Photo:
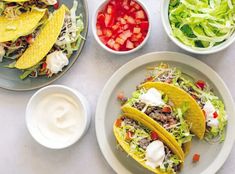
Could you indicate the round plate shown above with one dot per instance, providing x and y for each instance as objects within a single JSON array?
[
  {"x": 126, "y": 79},
  {"x": 9, "y": 78}
]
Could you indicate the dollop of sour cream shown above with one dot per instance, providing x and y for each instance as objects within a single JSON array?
[
  {"x": 209, "y": 110},
  {"x": 155, "y": 154},
  {"x": 56, "y": 61},
  {"x": 152, "y": 97},
  {"x": 2, "y": 52},
  {"x": 58, "y": 118}
]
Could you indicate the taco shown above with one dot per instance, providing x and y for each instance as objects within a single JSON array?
[
  {"x": 210, "y": 104},
  {"x": 51, "y": 48},
  {"x": 157, "y": 108},
  {"x": 16, "y": 34},
  {"x": 148, "y": 146}
]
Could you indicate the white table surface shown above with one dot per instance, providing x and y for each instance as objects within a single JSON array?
[{"x": 20, "y": 154}]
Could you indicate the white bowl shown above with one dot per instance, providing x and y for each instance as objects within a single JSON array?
[
  {"x": 167, "y": 27},
  {"x": 33, "y": 124},
  {"x": 94, "y": 30}
]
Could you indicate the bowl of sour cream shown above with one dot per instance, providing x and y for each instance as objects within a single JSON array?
[{"x": 57, "y": 116}]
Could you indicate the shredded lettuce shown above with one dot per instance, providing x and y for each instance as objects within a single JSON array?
[{"x": 202, "y": 24}]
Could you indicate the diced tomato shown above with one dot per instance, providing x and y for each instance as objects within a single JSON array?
[
  {"x": 110, "y": 9},
  {"x": 144, "y": 25},
  {"x": 101, "y": 18},
  {"x": 154, "y": 135},
  {"x": 123, "y": 21},
  {"x": 119, "y": 40},
  {"x": 150, "y": 79},
  {"x": 99, "y": 32},
  {"x": 107, "y": 20},
  {"x": 136, "y": 30},
  {"x": 104, "y": 39},
  {"x": 128, "y": 136},
  {"x": 125, "y": 27},
  {"x": 122, "y": 25},
  {"x": 120, "y": 95},
  {"x": 44, "y": 65},
  {"x": 196, "y": 157},
  {"x": 129, "y": 44},
  {"x": 29, "y": 39},
  {"x": 215, "y": 114},
  {"x": 111, "y": 43},
  {"x": 201, "y": 84},
  {"x": 125, "y": 35},
  {"x": 116, "y": 47},
  {"x": 130, "y": 20},
  {"x": 140, "y": 14},
  {"x": 56, "y": 5},
  {"x": 118, "y": 122},
  {"x": 166, "y": 109}
]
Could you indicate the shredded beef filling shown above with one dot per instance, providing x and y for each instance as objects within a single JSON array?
[{"x": 166, "y": 119}]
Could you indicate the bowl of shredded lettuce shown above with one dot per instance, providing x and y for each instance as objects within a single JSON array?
[{"x": 200, "y": 26}]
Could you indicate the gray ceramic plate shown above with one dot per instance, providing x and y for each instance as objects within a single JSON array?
[
  {"x": 9, "y": 79},
  {"x": 126, "y": 79}
]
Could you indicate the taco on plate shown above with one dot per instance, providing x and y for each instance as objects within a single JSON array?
[
  {"x": 214, "y": 116},
  {"x": 51, "y": 48},
  {"x": 147, "y": 145},
  {"x": 158, "y": 109}
]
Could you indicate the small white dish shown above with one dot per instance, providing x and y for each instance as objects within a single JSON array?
[
  {"x": 94, "y": 30},
  {"x": 167, "y": 27},
  {"x": 35, "y": 121}
]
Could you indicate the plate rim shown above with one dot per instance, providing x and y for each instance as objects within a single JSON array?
[
  {"x": 134, "y": 64},
  {"x": 77, "y": 54}
]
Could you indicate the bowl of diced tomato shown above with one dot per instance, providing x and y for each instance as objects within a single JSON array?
[{"x": 121, "y": 26}]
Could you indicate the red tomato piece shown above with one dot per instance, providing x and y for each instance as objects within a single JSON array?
[
  {"x": 110, "y": 9},
  {"x": 29, "y": 39},
  {"x": 116, "y": 46},
  {"x": 128, "y": 136},
  {"x": 107, "y": 20},
  {"x": 111, "y": 43},
  {"x": 154, "y": 135},
  {"x": 104, "y": 39},
  {"x": 201, "y": 84},
  {"x": 215, "y": 114},
  {"x": 144, "y": 25},
  {"x": 99, "y": 32},
  {"x": 130, "y": 20},
  {"x": 118, "y": 122},
  {"x": 136, "y": 30},
  {"x": 140, "y": 14},
  {"x": 166, "y": 109},
  {"x": 196, "y": 157},
  {"x": 125, "y": 35},
  {"x": 119, "y": 40},
  {"x": 101, "y": 19},
  {"x": 56, "y": 5},
  {"x": 129, "y": 44}
]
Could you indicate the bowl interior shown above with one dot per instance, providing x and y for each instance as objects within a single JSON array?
[
  {"x": 94, "y": 20},
  {"x": 126, "y": 79},
  {"x": 167, "y": 27}
]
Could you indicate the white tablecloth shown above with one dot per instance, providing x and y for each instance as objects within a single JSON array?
[{"x": 20, "y": 154}]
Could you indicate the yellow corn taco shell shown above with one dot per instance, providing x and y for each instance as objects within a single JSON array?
[
  {"x": 161, "y": 136},
  {"x": 44, "y": 41},
  {"x": 194, "y": 116},
  {"x": 127, "y": 109},
  {"x": 26, "y": 23}
]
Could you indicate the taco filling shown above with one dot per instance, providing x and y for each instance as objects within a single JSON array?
[
  {"x": 146, "y": 146},
  {"x": 211, "y": 105},
  {"x": 157, "y": 106}
]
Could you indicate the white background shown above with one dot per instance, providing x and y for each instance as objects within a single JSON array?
[{"x": 20, "y": 154}]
